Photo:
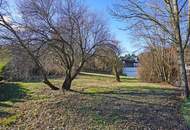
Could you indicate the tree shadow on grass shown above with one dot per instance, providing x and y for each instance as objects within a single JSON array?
[
  {"x": 142, "y": 91},
  {"x": 10, "y": 92},
  {"x": 149, "y": 108},
  {"x": 4, "y": 114}
]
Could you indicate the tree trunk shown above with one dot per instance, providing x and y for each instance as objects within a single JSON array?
[
  {"x": 69, "y": 78},
  {"x": 48, "y": 83},
  {"x": 183, "y": 73},
  {"x": 178, "y": 37},
  {"x": 117, "y": 76},
  {"x": 67, "y": 83}
]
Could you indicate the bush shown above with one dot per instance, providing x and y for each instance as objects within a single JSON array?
[{"x": 158, "y": 65}]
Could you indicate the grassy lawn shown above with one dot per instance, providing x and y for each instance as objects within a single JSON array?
[{"x": 97, "y": 102}]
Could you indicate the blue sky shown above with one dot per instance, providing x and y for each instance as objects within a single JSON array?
[{"x": 101, "y": 7}]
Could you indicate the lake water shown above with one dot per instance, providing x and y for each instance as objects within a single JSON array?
[{"x": 130, "y": 71}]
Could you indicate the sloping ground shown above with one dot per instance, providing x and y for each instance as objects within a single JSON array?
[
  {"x": 99, "y": 103},
  {"x": 4, "y": 59},
  {"x": 3, "y": 62}
]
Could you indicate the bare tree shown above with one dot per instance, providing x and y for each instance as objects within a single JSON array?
[
  {"x": 16, "y": 33},
  {"x": 159, "y": 54},
  {"x": 71, "y": 31},
  {"x": 117, "y": 64},
  {"x": 112, "y": 54},
  {"x": 170, "y": 16}
]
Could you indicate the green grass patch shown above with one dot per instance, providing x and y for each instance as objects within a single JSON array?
[
  {"x": 101, "y": 83},
  {"x": 31, "y": 86},
  {"x": 98, "y": 90},
  {"x": 3, "y": 63},
  {"x": 5, "y": 58},
  {"x": 186, "y": 111},
  {"x": 9, "y": 120},
  {"x": 104, "y": 75}
]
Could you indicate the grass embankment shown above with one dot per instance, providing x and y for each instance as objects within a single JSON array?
[
  {"x": 97, "y": 103},
  {"x": 3, "y": 62},
  {"x": 4, "y": 59}
]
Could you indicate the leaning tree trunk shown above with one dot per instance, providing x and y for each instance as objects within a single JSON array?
[
  {"x": 49, "y": 84},
  {"x": 183, "y": 73},
  {"x": 22, "y": 44},
  {"x": 45, "y": 79},
  {"x": 43, "y": 72},
  {"x": 67, "y": 83},
  {"x": 117, "y": 76},
  {"x": 37, "y": 63}
]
